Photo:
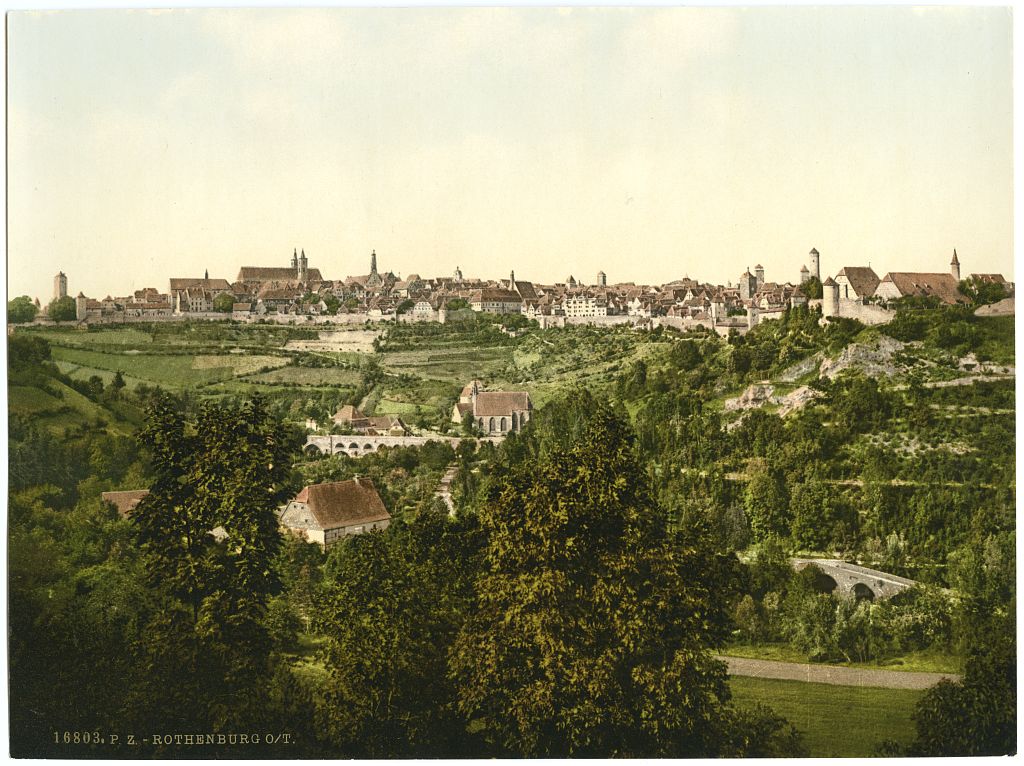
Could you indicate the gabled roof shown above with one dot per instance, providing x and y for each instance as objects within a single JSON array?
[
  {"x": 348, "y": 413},
  {"x": 268, "y": 273},
  {"x": 493, "y": 294},
  {"x": 941, "y": 285},
  {"x": 343, "y": 503},
  {"x": 862, "y": 279},
  {"x": 526, "y": 290},
  {"x": 992, "y": 278},
  {"x": 497, "y": 403},
  {"x": 183, "y": 283}
]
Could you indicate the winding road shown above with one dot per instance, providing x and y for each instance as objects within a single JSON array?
[{"x": 833, "y": 674}]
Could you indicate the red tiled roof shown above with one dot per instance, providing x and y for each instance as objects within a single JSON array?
[
  {"x": 941, "y": 285},
  {"x": 499, "y": 403},
  {"x": 342, "y": 503},
  {"x": 347, "y": 414},
  {"x": 862, "y": 278},
  {"x": 183, "y": 283},
  {"x": 269, "y": 273}
]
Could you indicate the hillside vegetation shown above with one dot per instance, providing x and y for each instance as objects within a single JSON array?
[{"x": 522, "y": 626}]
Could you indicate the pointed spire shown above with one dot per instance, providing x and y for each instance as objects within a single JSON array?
[{"x": 955, "y": 259}]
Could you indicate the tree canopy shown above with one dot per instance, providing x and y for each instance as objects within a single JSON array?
[
  {"x": 62, "y": 309},
  {"x": 21, "y": 310},
  {"x": 593, "y": 624}
]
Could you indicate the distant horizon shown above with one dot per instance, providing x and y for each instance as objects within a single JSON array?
[
  {"x": 650, "y": 143},
  {"x": 584, "y": 280}
]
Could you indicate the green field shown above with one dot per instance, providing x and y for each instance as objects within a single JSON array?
[
  {"x": 308, "y": 376},
  {"x": 843, "y": 721},
  {"x": 60, "y": 408},
  {"x": 167, "y": 370}
]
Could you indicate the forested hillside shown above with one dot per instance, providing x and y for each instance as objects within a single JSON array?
[{"x": 594, "y": 565}]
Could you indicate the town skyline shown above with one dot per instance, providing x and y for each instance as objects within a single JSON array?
[{"x": 651, "y": 144}]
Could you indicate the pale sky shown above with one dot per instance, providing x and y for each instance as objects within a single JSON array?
[{"x": 650, "y": 143}]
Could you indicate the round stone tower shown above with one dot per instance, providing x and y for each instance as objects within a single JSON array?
[
  {"x": 815, "y": 263},
  {"x": 829, "y": 298}
]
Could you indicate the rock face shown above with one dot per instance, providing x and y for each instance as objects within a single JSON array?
[
  {"x": 755, "y": 395},
  {"x": 1003, "y": 308},
  {"x": 796, "y": 399},
  {"x": 873, "y": 359},
  {"x": 801, "y": 368},
  {"x": 759, "y": 394}
]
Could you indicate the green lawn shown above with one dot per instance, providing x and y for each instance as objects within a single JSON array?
[{"x": 843, "y": 721}]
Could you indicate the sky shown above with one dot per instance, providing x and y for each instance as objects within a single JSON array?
[{"x": 650, "y": 143}]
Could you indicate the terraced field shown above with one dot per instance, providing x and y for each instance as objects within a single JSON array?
[
  {"x": 308, "y": 376},
  {"x": 167, "y": 370}
]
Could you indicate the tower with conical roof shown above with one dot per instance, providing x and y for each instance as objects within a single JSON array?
[
  {"x": 303, "y": 266},
  {"x": 60, "y": 285},
  {"x": 815, "y": 263},
  {"x": 954, "y": 266}
]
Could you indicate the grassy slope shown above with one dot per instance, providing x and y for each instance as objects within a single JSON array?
[{"x": 845, "y": 721}]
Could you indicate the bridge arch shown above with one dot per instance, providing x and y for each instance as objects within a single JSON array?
[
  {"x": 861, "y": 591},
  {"x": 353, "y": 445},
  {"x": 312, "y": 449},
  {"x": 503, "y": 424},
  {"x": 491, "y": 425},
  {"x": 823, "y": 582}
]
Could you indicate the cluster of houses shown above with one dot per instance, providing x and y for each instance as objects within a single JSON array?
[
  {"x": 350, "y": 420},
  {"x": 300, "y": 291}
]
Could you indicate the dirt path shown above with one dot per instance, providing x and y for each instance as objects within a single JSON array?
[
  {"x": 831, "y": 674},
  {"x": 444, "y": 488}
]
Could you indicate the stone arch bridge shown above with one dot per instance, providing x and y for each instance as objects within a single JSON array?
[
  {"x": 355, "y": 445},
  {"x": 846, "y": 579}
]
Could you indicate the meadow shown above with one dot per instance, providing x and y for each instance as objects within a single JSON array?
[{"x": 836, "y": 721}]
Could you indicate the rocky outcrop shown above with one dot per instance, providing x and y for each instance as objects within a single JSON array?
[
  {"x": 796, "y": 399},
  {"x": 756, "y": 395},
  {"x": 760, "y": 394},
  {"x": 875, "y": 359}
]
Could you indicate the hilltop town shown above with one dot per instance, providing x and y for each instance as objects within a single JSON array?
[{"x": 301, "y": 293}]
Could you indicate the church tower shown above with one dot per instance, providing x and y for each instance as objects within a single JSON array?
[
  {"x": 373, "y": 281},
  {"x": 954, "y": 266},
  {"x": 303, "y": 263},
  {"x": 295, "y": 260},
  {"x": 458, "y": 274}
]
